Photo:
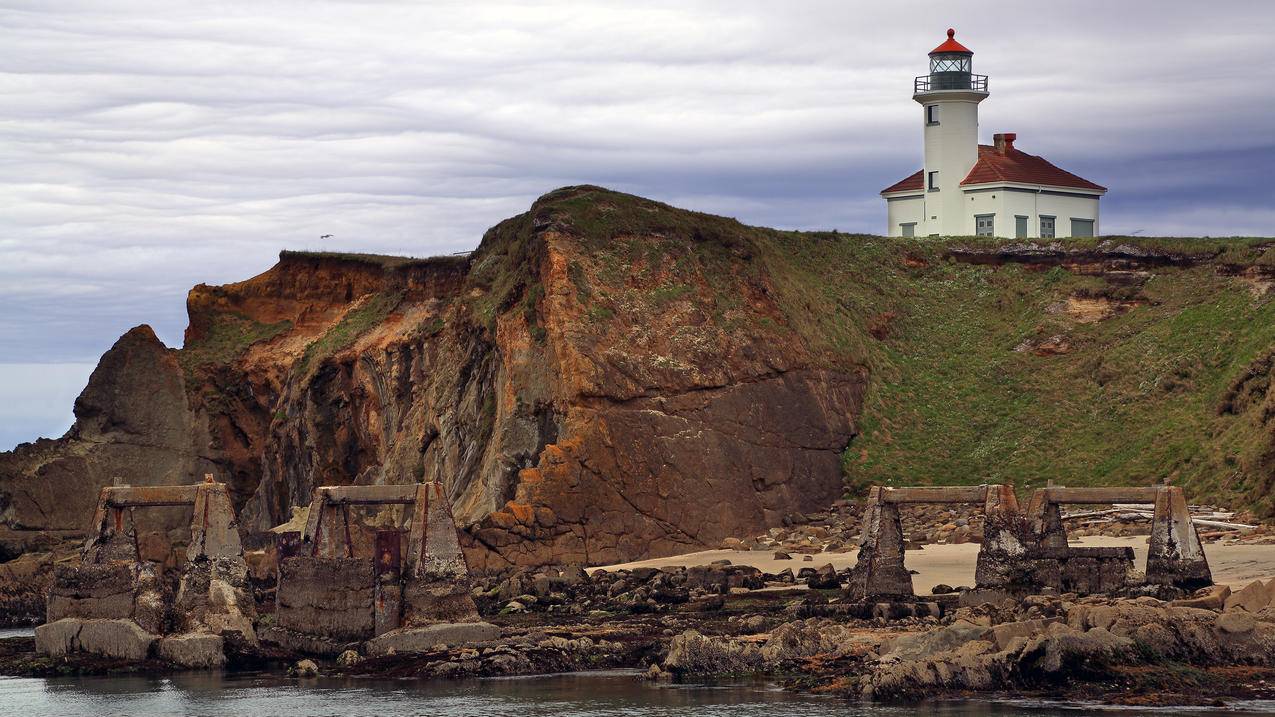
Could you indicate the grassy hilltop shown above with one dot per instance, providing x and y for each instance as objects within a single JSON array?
[{"x": 1085, "y": 361}]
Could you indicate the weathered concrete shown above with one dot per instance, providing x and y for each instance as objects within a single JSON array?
[
  {"x": 196, "y": 651},
  {"x": 1024, "y": 553},
  {"x": 94, "y": 604},
  {"x": 111, "y": 638},
  {"x": 332, "y": 597},
  {"x": 338, "y": 593},
  {"x": 1176, "y": 556},
  {"x": 880, "y": 573}
]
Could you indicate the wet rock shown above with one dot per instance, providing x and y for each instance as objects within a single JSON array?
[
  {"x": 349, "y": 658},
  {"x": 692, "y": 653},
  {"x": 424, "y": 638},
  {"x": 305, "y": 668}
]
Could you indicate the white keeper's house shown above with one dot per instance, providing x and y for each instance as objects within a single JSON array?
[{"x": 966, "y": 188}]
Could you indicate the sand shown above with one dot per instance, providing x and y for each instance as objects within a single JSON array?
[{"x": 1234, "y": 565}]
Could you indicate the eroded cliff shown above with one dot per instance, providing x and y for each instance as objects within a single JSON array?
[{"x": 609, "y": 378}]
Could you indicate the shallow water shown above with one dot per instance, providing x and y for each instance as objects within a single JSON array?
[{"x": 612, "y": 694}]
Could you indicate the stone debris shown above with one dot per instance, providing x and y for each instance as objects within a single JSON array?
[{"x": 116, "y": 604}]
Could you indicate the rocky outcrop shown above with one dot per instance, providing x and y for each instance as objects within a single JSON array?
[
  {"x": 133, "y": 426},
  {"x": 576, "y": 413},
  {"x": 605, "y": 378}
]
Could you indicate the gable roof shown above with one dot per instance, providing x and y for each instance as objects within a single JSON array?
[
  {"x": 1018, "y": 166},
  {"x": 911, "y": 182}
]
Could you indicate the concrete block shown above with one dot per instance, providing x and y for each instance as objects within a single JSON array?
[
  {"x": 193, "y": 650},
  {"x": 115, "y": 638},
  {"x": 56, "y": 639}
]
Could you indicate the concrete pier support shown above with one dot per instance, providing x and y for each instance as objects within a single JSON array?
[
  {"x": 880, "y": 573},
  {"x": 1004, "y": 558},
  {"x": 1175, "y": 556},
  {"x": 410, "y": 594}
]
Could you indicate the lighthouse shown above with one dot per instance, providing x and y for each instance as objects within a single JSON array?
[{"x": 965, "y": 188}]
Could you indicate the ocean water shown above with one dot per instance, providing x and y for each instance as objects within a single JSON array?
[{"x": 613, "y": 694}]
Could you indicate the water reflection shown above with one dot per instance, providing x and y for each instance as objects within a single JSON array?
[{"x": 583, "y": 695}]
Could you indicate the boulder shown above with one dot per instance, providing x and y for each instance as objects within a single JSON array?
[
  {"x": 1236, "y": 622},
  {"x": 923, "y": 644},
  {"x": 692, "y": 653},
  {"x": 193, "y": 650},
  {"x": 1211, "y": 598},
  {"x": 825, "y": 578},
  {"x": 57, "y": 638},
  {"x": 424, "y": 638},
  {"x": 1252, "y": 597},
  {"x": 1003, "y": 634}
]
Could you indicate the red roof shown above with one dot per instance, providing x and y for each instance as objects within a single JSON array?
[
  {"x": 913, "y": 181},
  {"x": 1018, "y": 166},
  {"x": 1012, "y": 166},
  {"x": 951, "y": 45}
]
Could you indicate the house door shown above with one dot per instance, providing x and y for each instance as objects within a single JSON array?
[
  {"x": 984, "y": 225},
  {"x": 909, "y": 229}
]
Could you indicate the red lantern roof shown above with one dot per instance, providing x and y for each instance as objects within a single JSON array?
[{"x": 951, "y": 45}]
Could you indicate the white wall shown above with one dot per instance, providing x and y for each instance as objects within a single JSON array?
[
  {"x": 1007, "y": 204},
  {"x": 951, "y": 149},
  {"x": 900, "y": 210}
]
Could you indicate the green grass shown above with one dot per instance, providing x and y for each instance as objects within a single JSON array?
[
  {"x": 382, "y": 261},
  {"x": 344, "y": 333},
  {"x": 228, "y": 337},
  {"x": 1136, "y": 397}
]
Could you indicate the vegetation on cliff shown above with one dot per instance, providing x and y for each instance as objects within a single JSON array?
[{"x": 607, "y": 377}]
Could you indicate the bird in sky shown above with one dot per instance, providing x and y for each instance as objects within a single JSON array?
[{"x": 326, "y": 236}]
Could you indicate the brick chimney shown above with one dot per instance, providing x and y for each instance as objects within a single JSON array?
[{"x": 1004, "y": 142}]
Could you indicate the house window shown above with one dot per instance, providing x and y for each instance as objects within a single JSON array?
[
  {"x": 908, "y": 229},
  {"x": 984, "y": 225},
  {"x": 1020, "y": 226},
  {"x": 931, "y": 114},
  {"x": 1082, "y": 227},
  {"x": 1046, "y": 227},
  {"x": 933, "y": 181}
]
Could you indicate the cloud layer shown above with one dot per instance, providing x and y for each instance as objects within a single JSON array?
[{"x": 152, "y": 145}]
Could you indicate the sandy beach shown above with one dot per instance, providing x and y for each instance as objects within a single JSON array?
[{"x": 1234, "y": 565}]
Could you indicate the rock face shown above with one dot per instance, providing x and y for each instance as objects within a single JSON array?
[
  {"x": 610, "y": 378},
  {"x": 582, "y": 400},
  {"x": 133, "y": 423}
]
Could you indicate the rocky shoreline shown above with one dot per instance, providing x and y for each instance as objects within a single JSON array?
[{"x": 723, "y": 620}]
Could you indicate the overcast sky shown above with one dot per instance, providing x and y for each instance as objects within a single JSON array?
[{"x": 146, "y": 146}]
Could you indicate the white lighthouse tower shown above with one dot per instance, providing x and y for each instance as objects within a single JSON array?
[
  {"x": 965, "y": 188},
  {"x": 949, "y": 98}
]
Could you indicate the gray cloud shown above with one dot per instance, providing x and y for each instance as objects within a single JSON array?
[{"x": 152, "y": 145}]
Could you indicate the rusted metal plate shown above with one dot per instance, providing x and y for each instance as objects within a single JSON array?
[
  {"x": 389, "y": 560},
  {"x": 288, "y": 544}
]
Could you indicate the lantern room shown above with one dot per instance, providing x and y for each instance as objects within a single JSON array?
[{"x": 951, "y": 68}]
